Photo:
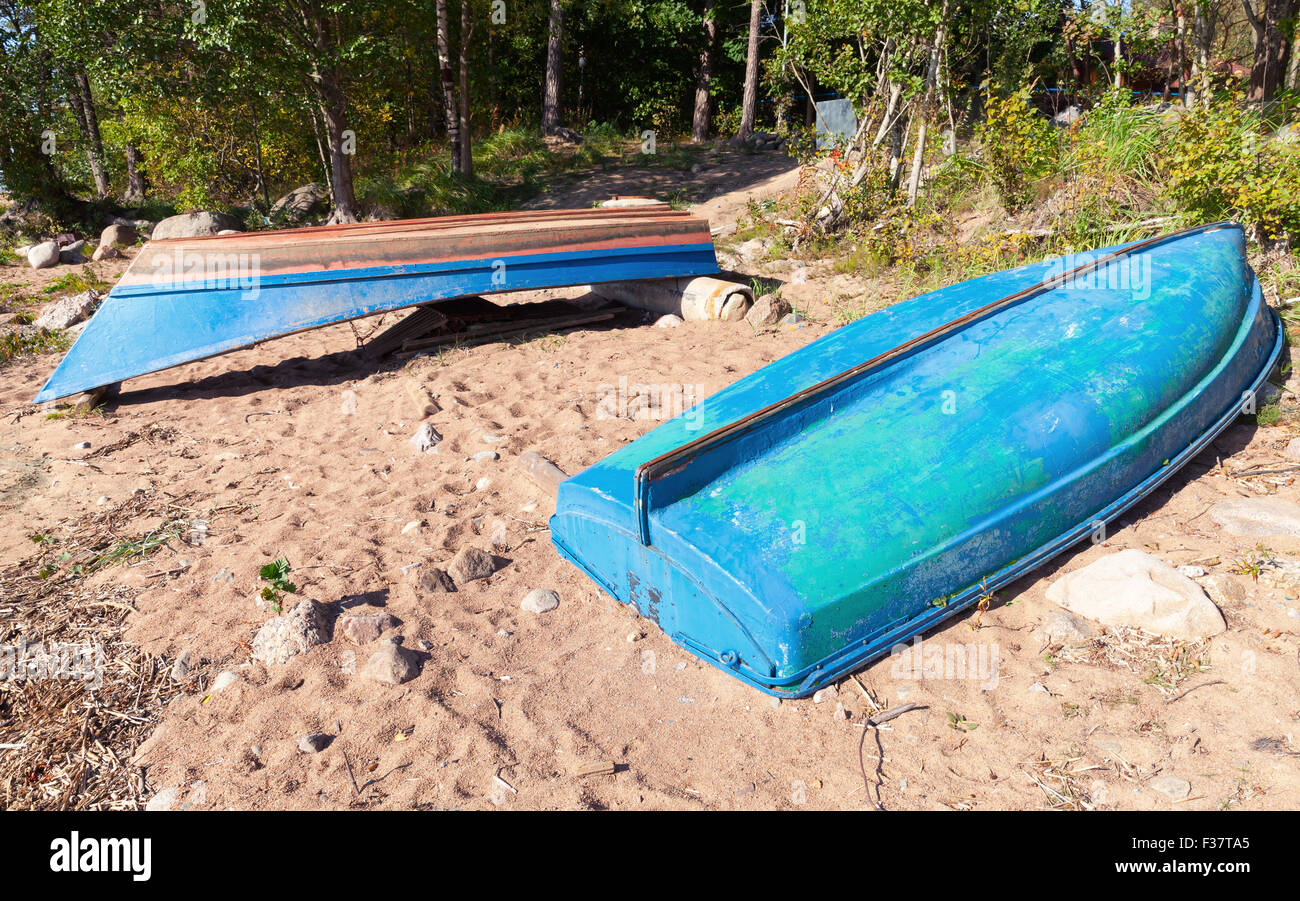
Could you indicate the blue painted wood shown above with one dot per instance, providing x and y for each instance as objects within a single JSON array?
[
  {"x": 143, "y": 328},
  {"x": 796, "y": 546}
]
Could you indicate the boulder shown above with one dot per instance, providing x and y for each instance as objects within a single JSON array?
[
  {"x": 105, "y": 252},
  {"x": 301, "y": 202},
  {"x": 118, "y": 234},
  {"x": 71, "y": 254},
  {"x": 285, "y": 637},
  {"x": 1255, "y": 517},
  {"x": 43, "y": 256},
  {"x": 69, "y": 311},
  {"x": 767, "y": 310},
  {"x": 194, "y": 225},
  {"x": 1130, "y": 588}
]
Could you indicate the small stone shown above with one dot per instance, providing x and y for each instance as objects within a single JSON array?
[
  {"x": 470, "y": 564},
  {"x": 224, "y": 680},
  {"x": 1193, "y": 572},
  {"x": 825, "y": 694},
  {"x": 425, "y": 439},
  {"x": 181, "y": 667},
  {"x": 81, "y": 445},
  {"x": 1063, "y": 627},
  {"x": 1292, "y": 451},
  {"x": 793, "y": 320},
  {"x": 483, "y": 484},
  {"x": 841, "y": 715},
  {"x": 774, "y": 703},
  {"x": 1171, "y": 787},
  {"x": 163, "y": 800},
  {"x": 348, "y": 402},
  {"x": 486, "y": 456},
  {"x": 365, "y": 628},
  {"x": 412, "y": 527},
  {"x": 669, "y": 320},
  {"x": 224, "y": 575},
  {"x": 491, "y": 438},
  {"x": 1039, "y": 687},
  {"x": 392, "y": 664},
  {"x": 436, "y": 581},
  {"x": 540, "y": 600},
  {"x": 1224, "y": 589},
  {"x": 284, "y": 637},
  {"x": 314, "y": 743},
  {"x": 767, "y": 310}
]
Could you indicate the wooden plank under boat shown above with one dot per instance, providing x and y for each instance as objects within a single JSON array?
[
  {"x": 185, "y": 299},
  {"x": 853, "y": 494}
]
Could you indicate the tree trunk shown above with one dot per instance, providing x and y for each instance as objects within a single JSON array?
[
  {"x": 1268, "y": 19},
  {"x": 466, "y": 145},
  {"x": 333, "y": 109},
  {"x": 704, "y": 76},
  {"x": 551, "y": 89},
  {"x": 749, "y": 106},
  {"x": 83, "y": 105},
  {"x": 1203, "y": 33},
  {"x": 931, "y": 76},
  {"x": 135, "y": 183},
  {"x": 448, "y": 85}
]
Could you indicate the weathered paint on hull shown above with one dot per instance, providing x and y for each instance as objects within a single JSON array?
[
  {"x": 858, "y": 510},
  {"x": 188, "y": 299}
]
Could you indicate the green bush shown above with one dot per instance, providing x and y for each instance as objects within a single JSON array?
[{"x": 1020, "y": 147}]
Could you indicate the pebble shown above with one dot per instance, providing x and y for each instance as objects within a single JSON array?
[
  {"x": 841, "y": 715},
  {"x": 365, "y": 628},
  {"x": 825, "y": 694},
  {"x": 392, "y": 664},
  {"x": 284, "y": 637},
  {"x": 102, "y": 501},
  {"x": 314, "y": 743},
  {"x": 483, "y": 456},
  {"x": 348, "y": 406},
  {"x": 1193, "y": 572},
  {"x": 1039, "y": 686},
  {"x": 436, "y": 581},
  {"x": 670, "y": 320},
  {"x": 1171, "y": 787},
  {"x": 81, "y": 445},
  {"x": 483, "y": 484},
  {"x": 490, "y": 438},
  {"x": 224, "y": 575},
  {"x": 425, "y": 439},
  {"x": 540, "y": 600},
  {"x": 412, "y": 527},
  {"x": 224, "y": 680},
  {"x": 163, "y": 800},
  {"x": 471, "y": 563},
  {"x": 181, "y": 667}
]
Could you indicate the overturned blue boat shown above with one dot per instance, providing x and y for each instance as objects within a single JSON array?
[{"x": 860, "y": 491}]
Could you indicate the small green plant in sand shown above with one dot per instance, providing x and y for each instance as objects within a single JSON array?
[
  {"x": 276, "y": 576},
  {"x": 960, "y": 723}
]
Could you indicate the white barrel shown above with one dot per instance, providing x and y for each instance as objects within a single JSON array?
[{"x": 694, "y": 299}]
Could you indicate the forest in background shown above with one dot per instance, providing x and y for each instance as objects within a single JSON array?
[{"x": 1087, "y": 113}]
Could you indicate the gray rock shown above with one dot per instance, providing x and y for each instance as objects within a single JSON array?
[
  {"x": 365, "y": 628},
  {"x": 1130, "y": 588},
  {"x": 470, "y": 564},
  {"x": 392, "y": 664},
  {"x": 1224, "y": 589},
  {"x": 767, "y": 310},
  {"x": 486, "y": 456},
  {"x": 425, "y": 438},
  {"x": 540, "y": 600},
  {"x": 823, "y": 695},
  {"x": 435, "y": 581},
  {"x": 181, "y": 667},
  {"x": 754, "y": 249},
  {"x": 1193, "y": 572},
  {"x": 194, "y": 225},
  {"x": 43, "y": 256},
  {"x": 71, "y": 254},
  {"x": 105, "y": 252},
  {"x": 1171, "y": 787},
  {"x": 1292, "y": 450},
  {"x": 301, "y": 202},
  {"x": 1283, "y": 574},
  {"x": 1255, "y": 517},
  {"x": 1063, "y": 627},
  {"x": 285, "y": 637},
  {"x": 163, "y": 800},
  {"x": 314, "y": 743},
  {"x": 69, "y": 311},
  {"x": 118, "y": 234},
  {"x": 793, "y": 320}
]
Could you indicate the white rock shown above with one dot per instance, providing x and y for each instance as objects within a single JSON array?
[
  {"x": 1292, "y": 450},
  {"x": 1193, "y": 572},
  {"x": 425, "y": 438},
  {"x": 285, "y": 637},
  {"x": 224, "y": 680},
  {"x": 540, "y": 600},
  {"x": 1130, "y": 588},
  {"x": 669, "y": 320},
  {"x": 1255, "y": 517},
  {"x": 483, "y": 484},
  {"x": 194, "y": 225},
  {"x": 181, "y": 667},
  {"x": 825, "y": 694},
  {"x": 348, "y": 402},
  {"x": 43, "y": 256},
  {"x": 1171, "y": 787},
  {"x": 1063, "y": 627},
  {"x": 484, "y": 456},
  {"x": 412, "y": 527},
  {"x": 69, "y": 311},
  {"x": 163, "y": 800}
]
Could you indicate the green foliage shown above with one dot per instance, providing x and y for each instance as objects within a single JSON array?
[
  {"x": 29, "y": 340},
  {"x": 1222, "y": 164},
  {"x": 276, "y": 575},
  {"x": 1019, "y": 146}
]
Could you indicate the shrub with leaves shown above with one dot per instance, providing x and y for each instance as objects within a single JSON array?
[
  {"x": 1223, "y": 164},
  {"x": 1020, "y": 146}
]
